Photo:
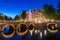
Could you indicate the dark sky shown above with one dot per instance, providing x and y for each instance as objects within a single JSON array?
[{"x": 14, "y": 7}]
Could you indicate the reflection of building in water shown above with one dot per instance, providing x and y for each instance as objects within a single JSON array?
[{"x": 35, "y": 16}]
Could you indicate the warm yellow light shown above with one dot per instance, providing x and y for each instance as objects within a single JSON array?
[
  {"x": 36, "y": 31},
  {"x": 36, "y": 21},
  {"x": 39, "y": 21},
  {"x": 52, "y": 20}
]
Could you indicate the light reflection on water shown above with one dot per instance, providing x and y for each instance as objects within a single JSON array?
[
  {"x": 40, "y": 34},
  {"x": 37, "y": 35},
  {"x": 36, "y": 31},
  {"x": 31, "y": 32},
  {"x": 45, "y": 32},
  {"x": 6, "y": 29}
]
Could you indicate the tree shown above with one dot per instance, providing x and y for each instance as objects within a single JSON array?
[
  {"x": 1, "y": 14},
  {"x": 49, "y": 11},
  {"x": 6, "y": 18},
  {"x": 23, "y": 15},
  {"x": 1, "y": 17},
  {"x": 10, "y": 18},
  {"x": 45, "y": 10},
  {"x": 52, "y": 12},
  {"x": 16, "y": 18},
  {"x": 58, "y": 12}
]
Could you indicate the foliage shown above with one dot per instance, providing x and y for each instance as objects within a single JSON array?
[
  {"x": 16, "y": 17},
  {"x": 23, "y": 15},
  {"x": 49, "y": 11},
  {"x": 6, "y": 17},
  {"x": 1, "y": 17}
]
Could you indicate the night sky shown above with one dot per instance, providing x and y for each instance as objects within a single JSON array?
[{"x": 14, "y": 7}]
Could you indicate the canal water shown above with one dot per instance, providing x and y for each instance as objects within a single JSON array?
[{"x": 36, "y": 35}]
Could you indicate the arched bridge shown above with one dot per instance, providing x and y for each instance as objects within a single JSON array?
[{"x": 8, "y": 29}]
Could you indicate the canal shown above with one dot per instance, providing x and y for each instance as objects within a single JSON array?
[
  {"x": 42, "y": 34},
  {"x": 36, "y": 35}
]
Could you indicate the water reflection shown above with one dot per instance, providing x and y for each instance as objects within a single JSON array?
[
  {"x": 31, "y": 33},
  {"x": 52, "y": 26},
  {"x": 45, "y": 32},
  {"x": 36, "y": 35},
  {"x": 6, "y": 29},
  {"x": 40, "y": 34},
  {"x": 36, "y": 31},
  {"x": 58, "y": 35}
]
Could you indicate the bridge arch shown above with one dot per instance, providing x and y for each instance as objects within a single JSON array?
[
  {"x": 31, "y": 27},
  {"x": 52, "y": 27},
  {"x": 22, "y": 29},
  {"x": 10, "y": 31}
]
